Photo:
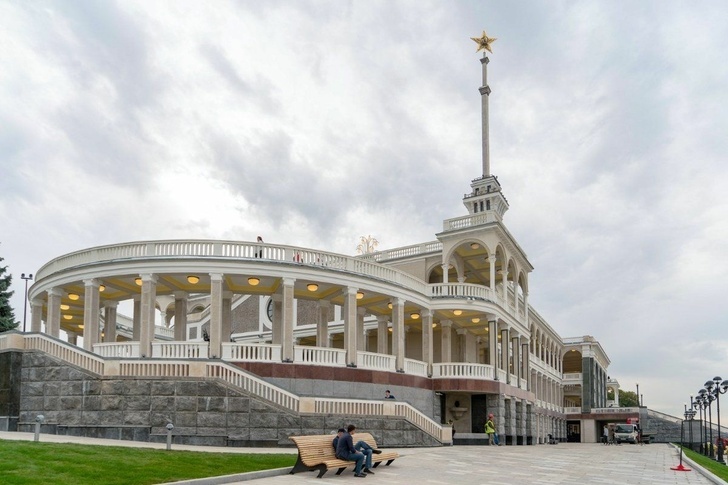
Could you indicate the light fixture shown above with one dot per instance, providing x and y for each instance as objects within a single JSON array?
[
  {"x": 68, "y": 317},
  {"x": 138, "y": 281},
  {"x": 102, "y": 287},
  {"x": 253, "y": 281},
  {"x": 457, "y": 313},
  {"x": 474, "y": 245},
  {"x": 434, "y": 325},
  {"x": 390, "y": 329},
  {"x": 73, "y": 296},
  {"x": 65, "y": 307},
  {"x": 389, "y": 305},
  {"x": 193, "y": 280},
  {"x": 312, "y": 287},
  {"x": 475, "y": 320},
  {"x": 80, "y": 326},
  {"x": 359, "y": 295},
  {"x": 414, "y": 316}
]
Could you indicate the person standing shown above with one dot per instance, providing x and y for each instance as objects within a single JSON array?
[
  {"x": 490, "y": 430},
  {"x": 345, "y": 451},
  {"x": 388, "y": 395}
]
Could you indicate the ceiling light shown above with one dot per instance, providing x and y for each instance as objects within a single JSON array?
[
  {"x": 253, "y": 281},
  {"x": 312, "y": 287},
  {"x": 102, "y": 287},
  {"x": 434, "y": 325},
  {"x": 474, "y": 245},
  {"x": 475, "y": 320},
  {"x": 415, "y": 316},
  {"x": 457, "y": 313},
  {"x": 80, "y": 326},
  {"x": 65, "y": 307},
  {"x": 359, "y": 295},
  {"x": 138, "y": 281},
  {"x": 73, "y": 296},
  {"x": 389, "y": 305},
  {"x": 67, "y": 317},
  {"x": 193, "y": 280}
]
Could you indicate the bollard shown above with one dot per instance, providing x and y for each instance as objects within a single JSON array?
[
  {"x": 170, "y": 427},
  {"x": 38, "y": 420}
]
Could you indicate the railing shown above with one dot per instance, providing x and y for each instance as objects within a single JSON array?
[
  {"x": 117, "y": 350},
  {"x": 415, "y": 367},
  {"x": 373, "y": 361},
  {"x": 245, "y": 352},
  {"x": 180, "y": 350},
  {"x": 573, "y": 377},
  {"x": 253, "y": 385},
  {"x": 524, "y": 384},
  {"x": 462, "y": 290},
  {"x": 459, "y": 370},
  {"x": 65, "y": 351},
  {"x": 467, "y": 221},
  {"x": 572, "y": 410},
  {"x": 403, "y": 252},
  {"x": 502, "y": 375},
  {"x": 154, "y": 369},
  {"x": 319, "y": 355}
]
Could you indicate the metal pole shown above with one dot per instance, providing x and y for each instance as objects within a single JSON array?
[
  {"x": 25, "y": 298},
  {"x": 710, "y": 428}
]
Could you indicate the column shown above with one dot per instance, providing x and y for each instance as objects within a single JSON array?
[
  {"x": 137, "y": 319},
  {"x": 36, "y": 314},
  {"x": 361, "y": 341},
  {"x": 146, "y": 327},
  {"x": 180, "y": 316},
  {"x": 349, "y": 317},
  {"x": 510, "y": 421},
  {"x": 460, "y": 343},
  {"x": 383, "y": 334},
  {"x": 445, "y": 273},
  {"x": 90, "y": 313},
  {"x": 525, "y": 309},
  {"x": 398, "y": 333},
  {"x": 427, "y": 340},
  {"x": 484, "y": 93},
  {"x": 493, "y": 260},
  {"x": 227, "y": 316},
  {"x": 287, "y": 320},
  {"x": 504, "y": 283},
  {"x": 493, "y": 346},
  {"x": 110, "y": 320},
  {"x": 72, "y": 338},
  {"x": 471, "y": 348},
  {"x": 525, "y": 362},
  {"x": 524, "y": 422},
  {"x": 53, "y": 322},
  {"x": 505, "y": 354},
  {"x": 322, "y": 329},
  {"x": 216, "y": 290},
  {"x": 516, "y": 358},
  {"x": 446, "y": 341},
  {"x": 277, "y": 323}
]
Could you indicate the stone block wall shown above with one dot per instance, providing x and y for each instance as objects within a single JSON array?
[
  {"x": 10, "y": 365},
  {"x": 204, "y": 412}
]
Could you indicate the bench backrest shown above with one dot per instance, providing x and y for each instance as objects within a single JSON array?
[{"x": 316, "y": 449}]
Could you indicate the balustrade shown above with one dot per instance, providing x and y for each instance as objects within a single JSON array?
[
  {"x": 319, "y": 356},
  {"x": 415, "y": 367},
  {"x": 117, "y": 350},
  {"x": 180, "y": 350},
  {"x": 374, "y": 361},
  {"x": 251, "y": 352}
]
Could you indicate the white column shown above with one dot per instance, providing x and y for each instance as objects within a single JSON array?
[
  {"x": 72, "y": 338},
  {"x": 525, "y": 362},
  {"x": 398, "y": 333},
  {"x": 445, "y": 273},
  {"x": 349, "y": 317},
  {"x": 492, "y": 260},
  {"x": 53, "y": 322},
  {"x": 110, "y": 320},
  {"x": 216, "y": 281},
  {"x": 36, "y": 314},
  {"x": 383, "y": 334},
  {"x": 361, "y": 340},
  {"x": 471, "y": 347},
  {"x": 287, "y": 320},
  {"x": 180, "y": 316},
  {"x": 516, "y": 358},
  {"x": 484, "y": 93},
  {"x": 90, "y": 313},
  {"x": 137, "y": 319},
  {"x": 493, "y": 346},
  {"x": 149, "y": 297},
  {"x": 227, "y": 316},
  {"x": 505, "y": 353},
  {"x": 277, "y": 323},
  {"x": 322, "y": 329},
  {"x": 446, "y": 341},
  {"x": 427, "y": 339}
]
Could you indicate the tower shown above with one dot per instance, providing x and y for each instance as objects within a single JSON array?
[{"x": 486, "y": 196}]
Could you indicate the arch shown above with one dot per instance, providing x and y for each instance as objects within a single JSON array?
[{"x": 572, "y": 361}]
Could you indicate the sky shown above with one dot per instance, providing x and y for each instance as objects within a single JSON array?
[{"x": 313, "y": 123}]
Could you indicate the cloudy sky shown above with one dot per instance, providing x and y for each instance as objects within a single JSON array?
[{"x": 313, "y": 123}]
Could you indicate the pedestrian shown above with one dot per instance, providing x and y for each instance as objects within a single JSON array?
[
  {"x": 388, "y": 395},
  {"x": 345, "y": 451},
  {"x": 259, "y": 252},
  {"x": 490, "y": 431}
]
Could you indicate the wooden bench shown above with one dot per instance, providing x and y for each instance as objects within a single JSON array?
[{"x": 317, "y": 453}]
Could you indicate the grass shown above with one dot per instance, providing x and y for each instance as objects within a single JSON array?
[
  {"x": 717, "y": 469},
  {"x": 30, "y": 463}
]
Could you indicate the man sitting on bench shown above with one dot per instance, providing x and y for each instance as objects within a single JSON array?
[
  {"x": 360, "y": 445},
  {"x": 345, "y": 451}
]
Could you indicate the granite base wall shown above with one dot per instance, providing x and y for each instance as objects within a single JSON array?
[{"x": 204, "y": 412}]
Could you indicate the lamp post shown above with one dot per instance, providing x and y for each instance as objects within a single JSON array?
[
  {"x": 689, "y": 414},
  {"x": 716, "y": 387},
  {"x": 698, "y": 404},
  {"x": 25, "y": 300}
]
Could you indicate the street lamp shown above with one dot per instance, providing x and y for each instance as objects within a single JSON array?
[
  {"x": 699, "y": 405},
  {"x": 25, "y": 301},
  {"x": 689, "y": 415},
  {"x": 717, "y": 387}
]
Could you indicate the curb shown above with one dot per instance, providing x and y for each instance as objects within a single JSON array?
[
  {"x": 237, "y": 477},
  {"x": 706, "y": 473}
]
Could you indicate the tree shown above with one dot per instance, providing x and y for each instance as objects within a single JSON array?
[
  {"x": 7, "y": 318},
  {"x": 628, "y": 399}
]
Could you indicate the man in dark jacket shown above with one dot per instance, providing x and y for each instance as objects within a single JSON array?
[{"x": 345, "y": 451}]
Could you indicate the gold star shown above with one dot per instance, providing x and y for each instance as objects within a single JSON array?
[{"x": 484, "y": 42}]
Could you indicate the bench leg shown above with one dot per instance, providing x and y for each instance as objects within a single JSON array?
[
  {"x": 340, "y": 471},
  {"x": 389, "y": 462},
  {"x": 376, "y": 464},
  {"x": 299, "y": 467},
  {"x": 322, "y": 470}
]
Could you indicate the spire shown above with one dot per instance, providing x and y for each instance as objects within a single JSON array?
[{"x": 484, "y": 43}]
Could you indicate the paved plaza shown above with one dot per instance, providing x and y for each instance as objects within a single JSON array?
[{"x": 565, "y": 463}]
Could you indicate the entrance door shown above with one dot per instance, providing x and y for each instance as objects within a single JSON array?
[{"x": 479, "y": 412}]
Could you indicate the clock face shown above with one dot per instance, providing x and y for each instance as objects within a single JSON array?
[{"x": 269, "y": 309}]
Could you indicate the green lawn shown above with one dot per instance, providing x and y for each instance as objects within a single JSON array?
[
  {"x": 718, "y": 469},
  {"x": 27, "y": 462}
]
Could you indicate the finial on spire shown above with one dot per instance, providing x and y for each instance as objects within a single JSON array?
[{"x": 484, "y": 42}]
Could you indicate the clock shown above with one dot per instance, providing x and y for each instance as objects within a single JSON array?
[{"x": 269, "y": 310}]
